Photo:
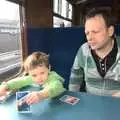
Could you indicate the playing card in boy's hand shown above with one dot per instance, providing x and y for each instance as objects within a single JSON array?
[
  {"x": 21, "y": 105},
  {"x": 69, "y": 99}
]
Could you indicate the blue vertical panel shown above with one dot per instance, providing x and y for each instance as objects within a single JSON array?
[
  {"x": 64, "y": 45},
  {"x": 38, "y": 39},
  {"x": 117, "y": 30}
]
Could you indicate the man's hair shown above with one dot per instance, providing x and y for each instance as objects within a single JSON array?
[
  {"x": 109, "y": 19},
  {"x": 36, "y": 59}
]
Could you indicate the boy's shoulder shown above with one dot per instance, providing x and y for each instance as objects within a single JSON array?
[{"x": 53, "y": 75}]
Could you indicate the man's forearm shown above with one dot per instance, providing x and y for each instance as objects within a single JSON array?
[{"x": 74, "y": 87}]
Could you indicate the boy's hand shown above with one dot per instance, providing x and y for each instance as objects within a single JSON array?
[
  {"x": 33, "y": 97},
  {"x": 117, "y": 94},
  {"x": 3, "y": 90}
]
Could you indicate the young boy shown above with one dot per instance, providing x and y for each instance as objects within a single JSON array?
[{"x": 38, "y": 68}]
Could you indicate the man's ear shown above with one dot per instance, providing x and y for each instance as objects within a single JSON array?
[
  {"x": 111, "y": 31},
  {"x": 49, "y": 67}
]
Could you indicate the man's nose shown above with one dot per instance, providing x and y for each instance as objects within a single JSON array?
[{"x": 90, "y": 36}]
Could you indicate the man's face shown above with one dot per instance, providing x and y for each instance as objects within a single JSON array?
[
  {"x": 39, "y": 74},
  {"x": 97, "y": 32}
]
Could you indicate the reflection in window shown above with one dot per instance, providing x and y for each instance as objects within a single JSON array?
[
  {"x": 69, "y": 11},
  {"x": 10, "y": 57},
  {"x": 55, "y": 6},
  {"x": 58, "y": 22},
  {"x": 63, "y": 13}
]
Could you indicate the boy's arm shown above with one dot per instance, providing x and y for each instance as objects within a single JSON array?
[
  {"x": 53, "y": 86},
  {"x": 3, "y": 89},
  {"x": 51, "y": 90},
  {"x": 15, "y": 84},
  {"x": 19, "y": 82},
  {"x": 54, "y": 89}
]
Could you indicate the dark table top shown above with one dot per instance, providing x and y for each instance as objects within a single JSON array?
[{"x": 88, "y": 108}]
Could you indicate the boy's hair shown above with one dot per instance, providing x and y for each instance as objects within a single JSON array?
[
  {"x": 109, "y": 19},
  {"x": 36, "y": 59}
]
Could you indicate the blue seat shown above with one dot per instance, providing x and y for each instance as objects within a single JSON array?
[{"x": 62, "y": 45}]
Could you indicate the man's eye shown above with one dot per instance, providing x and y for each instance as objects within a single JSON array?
[{"x": 96, "y": 31}]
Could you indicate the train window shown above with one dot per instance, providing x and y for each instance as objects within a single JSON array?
[
  {"x": 69, "y": 12},
  {"x": 66, "y": 9},
  {"x": 58, "y": 22},
  {"x": 57, "y": 6},
  {"x": 10, "y": 50},
  {"x": 62, "y": 13}
]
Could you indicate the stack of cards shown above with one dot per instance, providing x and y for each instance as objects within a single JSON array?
[
  {"x": 22, "y": 106},
  {"x": 69, "y": 99}
]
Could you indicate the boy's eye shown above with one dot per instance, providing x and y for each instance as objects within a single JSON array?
[{"x": 42, "y": 73}]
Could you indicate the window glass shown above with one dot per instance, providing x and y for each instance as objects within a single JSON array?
[
  {"x": 63, "y": 16},
  {"x": 70, "y": 11},
  {"x": 59, "y": 22},
  {"x": 64, "y": 8},
  {"x": 55, "y": 5},
  {"x": 10, "y": 57},
  {"x": 59, "y": 7}
]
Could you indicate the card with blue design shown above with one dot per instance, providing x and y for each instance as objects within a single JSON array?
[{"x": 22, "y": 106}]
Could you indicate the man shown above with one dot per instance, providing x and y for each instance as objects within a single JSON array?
[{"x": 98, "y": 60}]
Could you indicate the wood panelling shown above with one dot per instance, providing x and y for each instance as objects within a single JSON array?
[{"x": 39, "y": 13}]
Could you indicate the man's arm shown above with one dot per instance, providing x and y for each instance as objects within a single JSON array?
[{"x": 76, "y": 77}]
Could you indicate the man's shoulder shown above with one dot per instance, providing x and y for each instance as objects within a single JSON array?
[
  {"x": 84, "y": 46},
  {"x": 84, "y": 49}
]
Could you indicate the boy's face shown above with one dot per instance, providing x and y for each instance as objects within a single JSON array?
[{"x": 39, "y": 74}]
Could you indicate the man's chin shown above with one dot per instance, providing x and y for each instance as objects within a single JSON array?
[
  {"x": 41, "y": 83},
  {"x": 95, "y": 47}
]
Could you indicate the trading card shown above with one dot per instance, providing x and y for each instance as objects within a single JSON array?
[
  {"x": 21, "y": 105},
  {"x": 69, "y": 99}
]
